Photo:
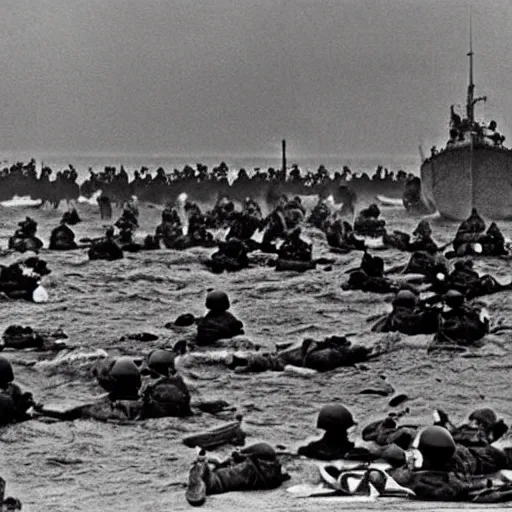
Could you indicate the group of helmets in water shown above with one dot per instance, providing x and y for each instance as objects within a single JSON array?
[
  {"x": 159, "y": 361},
  {"x": 123, "y": 371},
  {"x": 434, "y": 443},
  {"x": 126, "y": 375},
  {"x": 407, "y": 299}
]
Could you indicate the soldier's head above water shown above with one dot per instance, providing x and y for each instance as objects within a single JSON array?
[
  {"x": 161, "y": 361},
  {"x": 453, "y": 299},
  {"x": 126, "y": 380},
  {"x": 405, "y": 299},
  {"x": 218, "y": 301},
  {"x": 335, "y": 417}
]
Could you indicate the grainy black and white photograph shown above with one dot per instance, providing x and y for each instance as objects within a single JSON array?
[{"x": 255, "y": 255}]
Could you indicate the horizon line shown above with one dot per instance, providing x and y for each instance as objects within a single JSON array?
[{"x": 104, "y": 154}]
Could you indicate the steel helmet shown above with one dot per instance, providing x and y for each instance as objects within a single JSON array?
[
  {"x": 405, "y": 299},
  {"x": 454, "y": 299},
  {"x": 261, "y": 450},
  {"x": 335, "y": 417},
  {"x": 161, "y": 361},
  {"x": 217, "y": 301},
  {"x": 436, "y": 445},
  {"x": 124, "y": 367},
  {"x": 125, "y": 378}
]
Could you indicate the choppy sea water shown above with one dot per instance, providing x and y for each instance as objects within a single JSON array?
[{"x": 89, "y": 466}]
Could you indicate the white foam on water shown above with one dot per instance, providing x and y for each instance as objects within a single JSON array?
[
  {"x": 390, "y": 201},
  {"x": 21, "y": 201},
  {"x": 374, "y": 243},
  {"x": 219, "y": 234},
  {"x": 93, "y": 200},
  {"x": 72, "y": 357},
  {"x": 180, "y": 208}
]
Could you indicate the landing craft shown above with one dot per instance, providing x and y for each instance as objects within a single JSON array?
[{"x": 474, "y": 169}]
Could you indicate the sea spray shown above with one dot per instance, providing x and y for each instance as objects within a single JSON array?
[
  {"x": 182, "y": 214},
  {"x": 93, "y": 200},
  {"x": 20, "y": 201}
]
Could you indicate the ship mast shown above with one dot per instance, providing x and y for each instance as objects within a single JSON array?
[
  {"x": 471, "y": 100},
  {"x": 471, "y": 86}
]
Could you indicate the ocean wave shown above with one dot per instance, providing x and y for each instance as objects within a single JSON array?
[{"x": 21, "y": 201}]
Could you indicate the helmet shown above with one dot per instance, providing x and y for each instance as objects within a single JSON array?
[
  {"x": 487, "y": 417},
  {"x": 161, "y": 361},
  {"x": 124, "y": 367},
  {"x": 405, "y": 299},
  {"x": 335, "y": 416},
  {"x": 436, "y": 445},
  {"x": 217, "y": 301},
  {"x": 125, "y": 378},
  {"x": 261, "y": 450},
  {"x": 6, "y": 373},
  {"x": 454, "y": 299}
]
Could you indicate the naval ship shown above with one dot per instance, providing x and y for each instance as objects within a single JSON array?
[{"x": 474, "y": 170}]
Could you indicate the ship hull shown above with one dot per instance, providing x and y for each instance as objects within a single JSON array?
[{"x": 465, "y": 177}]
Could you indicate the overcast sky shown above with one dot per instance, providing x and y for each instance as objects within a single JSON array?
[{"x": 342, "y": 77}]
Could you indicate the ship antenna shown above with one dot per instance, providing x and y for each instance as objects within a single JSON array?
[
  {"x": 471, "y": 101},
  {"x": 471, "y": 86}
]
